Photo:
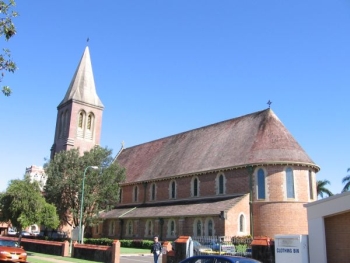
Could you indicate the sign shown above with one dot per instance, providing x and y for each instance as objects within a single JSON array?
[
  {"x": 291, "y": 248},
  {"x": 75, "y": 234}
]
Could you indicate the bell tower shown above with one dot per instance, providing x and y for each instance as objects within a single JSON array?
[{"x": 79, "y": 116}]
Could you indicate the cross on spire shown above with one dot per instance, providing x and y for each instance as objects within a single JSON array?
[{"x": 269, "y": 103}]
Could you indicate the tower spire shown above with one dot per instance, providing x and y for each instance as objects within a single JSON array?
[
  {"x": 79, "y": 116},
  {"x": 82, "y": 87}
]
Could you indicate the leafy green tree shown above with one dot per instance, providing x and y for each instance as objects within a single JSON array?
[
  {"x": 49, "y": 217},
  {"x": 322, "y": 189},
  {"x": 7, "y": 29},
  {"x": 65, "y": 174},
  {"x": 23, "y": 205},
  {"x": 346, "y": 181}
]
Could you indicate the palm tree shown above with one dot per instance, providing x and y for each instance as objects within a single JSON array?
[
  {"x": 346, "y": 181},
  {"x": 321, "y": 188}
]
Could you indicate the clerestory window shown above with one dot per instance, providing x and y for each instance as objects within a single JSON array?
[
  {"x": 261, "y": 184},
  {"x": 290, "y": 183}
]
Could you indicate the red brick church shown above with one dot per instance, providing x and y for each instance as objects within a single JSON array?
[{"x": 242, "y": 176}]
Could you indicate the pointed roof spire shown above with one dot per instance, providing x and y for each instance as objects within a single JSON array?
[{"x": 82, "y": 87}]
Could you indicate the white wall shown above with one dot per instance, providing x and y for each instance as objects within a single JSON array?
[{"x": 316, "y": 212}]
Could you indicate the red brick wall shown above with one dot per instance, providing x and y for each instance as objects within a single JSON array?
[
  {"x": 274, "y": 215},
  {"x": 277, "y": 214},
  {"x": 237, "y": 182},
  {"x": 271, "y": 218},
  {"x": 183, "y": 227},
  {"x": 82, "y": 144},
  {"x": 232, "y": 223},
  {"x": 337, "y": 230}
]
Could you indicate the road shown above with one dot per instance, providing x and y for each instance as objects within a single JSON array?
[
  {"x": 140, "y": 259},
  {"x": 123, "y": 259}
]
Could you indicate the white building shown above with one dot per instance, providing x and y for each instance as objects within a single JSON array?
[
  {"x": 37, "y": 173},
  {"x": 329, "y": 229}
]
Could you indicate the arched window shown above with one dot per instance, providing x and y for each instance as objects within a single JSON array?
[
  {"x": 153, "y": 192},
  {"x": 149, "y": 228},
  {"x": 89, "y": 126},
  {"x": 89, "y": 122},
  {"x": 81, "y": 124},
  {"x": 311, "y": 191},
  {"x": 65, "y": 123},
  {"x": 220, "y": 182},
  {"x": 198, "y": 228},
  {"x": 261, "y": 184},
  {"x": 129, "y": 228},
  {"x": 241, "y": 223},
  {"x": 195, "y": 183},
  {"x": 112, "y": 228},
  {"x": 172, "y": 189},
  {"x": 290, "y": 183},
  {"x": 60, "y": 127},
  {"x": 81, "y": 118},
  {"x": 171, "y": 229},
  {"x": 210, "y": 227},
  {"x": 136, "y": 193},
  {"x": 120, "y": 195}
]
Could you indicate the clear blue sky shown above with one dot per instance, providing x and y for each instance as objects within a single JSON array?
[{"x": 163, "y": 67}]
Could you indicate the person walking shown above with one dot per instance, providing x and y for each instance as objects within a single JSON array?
[{"x": 156, "y": 249}]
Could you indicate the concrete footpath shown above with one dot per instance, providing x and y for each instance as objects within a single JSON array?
[
  {"x": 45, "y": 259},
  {"x": 57, "y": 259}
]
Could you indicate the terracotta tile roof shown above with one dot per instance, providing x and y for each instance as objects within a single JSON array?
[
  {"x": 255, "y": 138},
  {"x": 175, "y": 209}
]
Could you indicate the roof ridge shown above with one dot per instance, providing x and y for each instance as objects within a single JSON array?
[{"x": 202, "y": 127}]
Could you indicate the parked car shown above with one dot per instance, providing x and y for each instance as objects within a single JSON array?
[
  {"x": 52, "y": 234},
  {"x": 12, "y": 232},
  {"x": 11, "y": 251},
  {"x": 248, "y": 252},
  {"x": 25, "y": 234},
  {"x": 219, "y": 259},
  {"x": 35, "y": 233},
  {"x": 199, "y": 249},
  {"x": 225, "y": 247}
]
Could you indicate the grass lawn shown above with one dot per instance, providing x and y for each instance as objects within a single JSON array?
[
  {"x": 45, "y": 258},
  {"x": 128, "y": 250}
]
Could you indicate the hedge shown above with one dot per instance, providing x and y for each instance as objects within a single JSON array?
[{"x": 135, "y": 243}]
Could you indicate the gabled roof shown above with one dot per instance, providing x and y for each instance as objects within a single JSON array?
[
  {"x": 253, "y": 139},
  {"x": 82, "y": 87},
  {"x": 174, "y": 209}
]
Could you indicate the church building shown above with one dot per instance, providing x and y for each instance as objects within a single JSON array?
[{"x": 243, "y": 176}]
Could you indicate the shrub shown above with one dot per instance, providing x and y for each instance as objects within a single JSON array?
[
  {"x": 237, "y": 240},
  {"x": 147, "y": 244},
  {"x": 126, "y": 243},
  {"x": 99, "y": 241},
  {"x": 241, "y": 248},
  {"x": 136, "y": 243}
]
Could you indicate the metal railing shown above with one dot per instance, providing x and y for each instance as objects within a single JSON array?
[{"x": 223, "y": 245}]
